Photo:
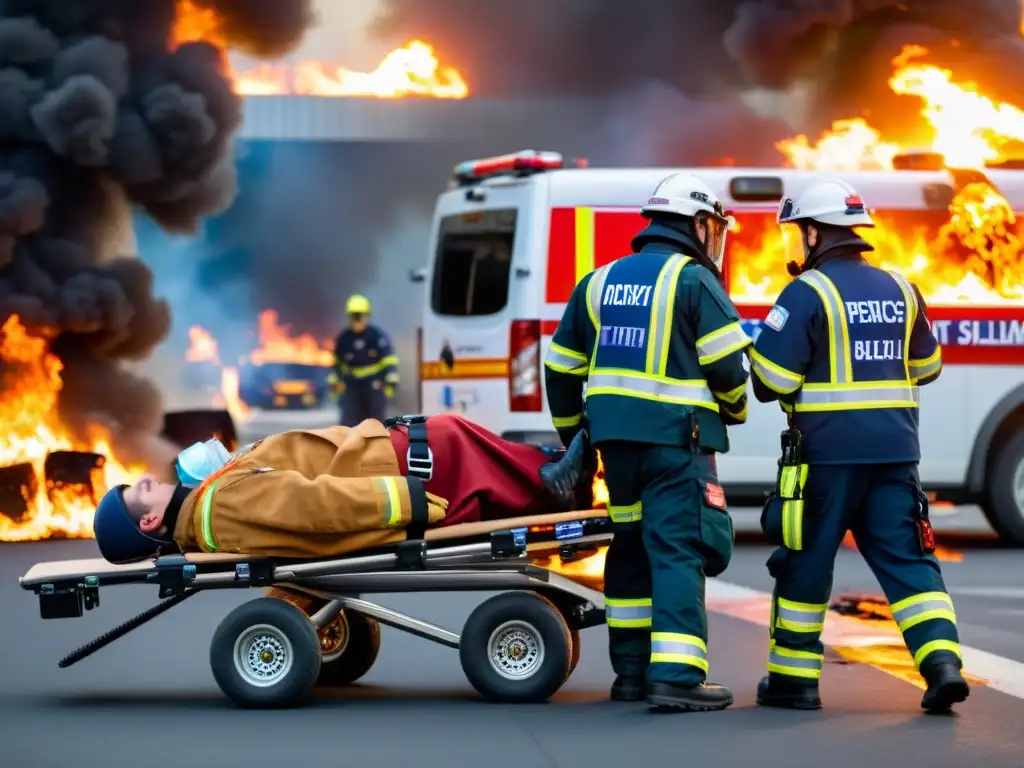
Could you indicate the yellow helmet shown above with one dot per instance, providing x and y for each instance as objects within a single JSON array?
[{"x": 357, "y": 305}]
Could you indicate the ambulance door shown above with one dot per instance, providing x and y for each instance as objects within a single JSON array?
[{"x": 473, "y": 296}]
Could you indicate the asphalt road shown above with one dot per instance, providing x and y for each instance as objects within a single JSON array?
[{"x": 150, "y": 699}]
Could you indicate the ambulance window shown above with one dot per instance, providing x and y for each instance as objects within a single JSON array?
[{"x": 473, "y": 263}]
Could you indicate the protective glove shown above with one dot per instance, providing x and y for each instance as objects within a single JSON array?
[{"x": 561, "y": 477}]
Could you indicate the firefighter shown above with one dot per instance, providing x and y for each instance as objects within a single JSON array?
[
  {"x": 365, "y": 366},
  {"x": 660, "y": 348},
  {"x": 844, "y": 350}
]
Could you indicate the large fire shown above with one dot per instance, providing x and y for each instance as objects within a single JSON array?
[
  {"x": 276, "y": 344},
  {"x": 412, "y": 70},
  {"x": 34, "y": 502}
]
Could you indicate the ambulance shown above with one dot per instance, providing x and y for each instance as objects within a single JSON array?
[{"x": 513, "y": 234}]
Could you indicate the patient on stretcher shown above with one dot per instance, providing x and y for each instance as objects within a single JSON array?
[{"x": 322, "y": 493}]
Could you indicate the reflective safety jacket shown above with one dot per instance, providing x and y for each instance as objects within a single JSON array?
[
  {"x": 844, "y": 350},
  {"x": 362, "y": 359},
  {"x": 660, "y": 348}
]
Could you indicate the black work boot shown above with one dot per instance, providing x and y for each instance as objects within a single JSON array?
[
  {"x": 788, "y": 693},
  {"x": 626, "y": 688},
  {"x": 946, "y": 685},
  {"x": 561, "y": 477},
  {"x": 667, "y": 697}
]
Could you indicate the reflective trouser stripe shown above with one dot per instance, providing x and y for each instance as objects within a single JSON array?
[
  {"x": 915, "y": 610},
  {"x": 800, "y": 617},
  {"x": 611, "y": 381},
  {"x": 631, "y": 513},
  {"x": 869, "y": 394},
  {"x": 391, "y": 501},
  {"x": 928, "y": 649},
  {"x": 565, "y": 360},
  {"x": 929, "y": 366},
  {"x": 774, "y": 376},
  {"x": 562, "y": 422},
  {"x": 721, "y": 343},
  {"x": 840, "y": 365},
  {"x": 628, "y": 613},
  {"x": 785, "y": 661},
  {"x": 674, "y": 648}
]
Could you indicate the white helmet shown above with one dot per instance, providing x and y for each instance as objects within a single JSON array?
[
  {"x": 683, "y": 194},
  {"x": 828, "y": 202}
]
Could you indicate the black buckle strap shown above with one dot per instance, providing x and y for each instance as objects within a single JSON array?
[{"x": 419, "y": 457}]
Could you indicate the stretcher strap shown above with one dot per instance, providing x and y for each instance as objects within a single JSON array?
[{"x": 420, "y": 458}]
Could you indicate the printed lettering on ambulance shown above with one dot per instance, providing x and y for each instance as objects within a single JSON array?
[{"x": 981, "y": 333}]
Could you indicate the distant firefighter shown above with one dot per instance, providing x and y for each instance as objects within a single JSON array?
[{"x": 365, "y": 366}]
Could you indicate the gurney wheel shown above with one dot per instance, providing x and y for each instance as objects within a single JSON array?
[
  {"x": 266, "y": 655},
  {"x": 515, "y": 648},
  {"x": 357, "y": 652}
]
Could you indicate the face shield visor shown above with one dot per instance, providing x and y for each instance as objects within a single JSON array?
[
  {"x": 716, "y": 231},
  {"x": 793, "y": 243}
]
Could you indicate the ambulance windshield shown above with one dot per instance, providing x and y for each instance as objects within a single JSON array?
[{"x": 472, "y": 263}]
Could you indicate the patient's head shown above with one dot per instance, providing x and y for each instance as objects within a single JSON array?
[{"x": 129, "y": 522}]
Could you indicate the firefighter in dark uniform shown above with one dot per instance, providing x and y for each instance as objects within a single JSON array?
[
  {"x": 365, "y": 366},
  {"x": 844, "y": 350},
  {"x": 660, "y": 348}
]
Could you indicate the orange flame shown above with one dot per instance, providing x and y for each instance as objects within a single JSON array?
[
  {"x": 599, "y": 487},
  {"x": 412, "y": 70},
  {"x": 202, "y": 346},
  {"x": 588, "y": 571},
  {"x": 229, "y": 397},
  {"x": 278, "y": 346},
  {"x": 975, "y": 256},
  {"x": 969, "y": 129},
  {"x": 32, "y": 431}
]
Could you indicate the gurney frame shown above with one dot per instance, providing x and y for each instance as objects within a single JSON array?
[{"x": 519, "y": 646}]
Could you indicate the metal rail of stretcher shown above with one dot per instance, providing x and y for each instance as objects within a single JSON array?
[{"x": 499, "y": 556}]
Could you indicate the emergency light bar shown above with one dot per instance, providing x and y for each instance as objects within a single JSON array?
[
  {"x": 756, "y": 189},
  {"x": 523, "y": 163}
]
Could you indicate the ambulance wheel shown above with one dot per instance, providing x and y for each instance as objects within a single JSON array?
[
  {"x": 1005, "y": 503},
  {"x": 266, "y": 655},
  {"x": 516, "y": 648},
  {"x": 574, "y": 657},
  {"x": 354, "y": 651}
]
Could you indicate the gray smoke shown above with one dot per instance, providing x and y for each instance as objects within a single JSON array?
[{"x": 101, "y": 114}]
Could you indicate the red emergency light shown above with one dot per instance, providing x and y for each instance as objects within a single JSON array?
[{"x": 517, "y": 164}]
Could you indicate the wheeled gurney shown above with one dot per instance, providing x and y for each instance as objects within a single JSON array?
[{"x": 519, "y": 646}]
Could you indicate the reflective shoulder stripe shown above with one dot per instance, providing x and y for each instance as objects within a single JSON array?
[
  {"x": 595, "y": 289},
  {"x": 662, "y": 311},
  {"x": 206, "y": 512},
  {"x": 910, "y": 317},
  {"x": 390, "y": 501},
  {"x": 840, "y": 363}
]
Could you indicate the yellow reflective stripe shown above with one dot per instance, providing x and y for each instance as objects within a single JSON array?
[
  {"x": 793, "y": 524},
  {"x": 859, "y": 396},
  {"x": 773, "y": 375},
  {"x": 733, "y": 395},
  {"x": 800, "y": 617},
  {"x": 628, "y": 613},
  {"x": 929, "y": 648},
  {"x": 740, "y": 415},
  {"x": 630, "y": 513},
  {"x": 929, "y": 366},
  {"x": 363, "y": 371},
  {"x": 584, "y": 242},
  {"x": 792, "y": 480},
  {"x": 206, "y": 513},
  {"x": 675, "y": 648},
  {"x": 617, "y": 381},
  {"x": 566, "y": 360},
  {"x": 926, "y": 606},
  {"x": 785, "y": 661},
  {"x": 659, "y": 329},
  {"x": 840, "y": 364},
  {"x": 389, "y": 360},
  {"x": 721, "y": 343},
  {"x": 909, "y": 316},
  {"x": 561, "y": 422},
  {"x": 595, "y": 288},
  {"x": 391, "y": 501}
]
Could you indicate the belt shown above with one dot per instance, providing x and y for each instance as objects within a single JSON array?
[{"x": 419, "y": 458}]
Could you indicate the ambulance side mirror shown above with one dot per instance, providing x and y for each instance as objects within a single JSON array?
[{"x": 418, "y": 275}]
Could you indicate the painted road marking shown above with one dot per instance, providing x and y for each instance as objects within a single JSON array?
[
  {"x": 1007, "y": 593},
  {"x": 999, "y": 673}
]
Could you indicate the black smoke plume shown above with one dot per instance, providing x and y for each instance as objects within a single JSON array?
[{"x": 100, "y": 114}]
